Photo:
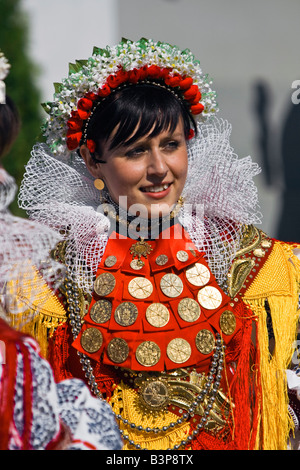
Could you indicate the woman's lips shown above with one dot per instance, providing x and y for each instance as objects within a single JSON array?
[{"x": 157, "y": 191}]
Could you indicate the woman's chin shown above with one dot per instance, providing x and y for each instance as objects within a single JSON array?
[{"x": 160, "y": 210}]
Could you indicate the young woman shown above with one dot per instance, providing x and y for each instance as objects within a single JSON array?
[{"x": 173, "y": 298}]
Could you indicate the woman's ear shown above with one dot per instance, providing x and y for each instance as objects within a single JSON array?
[{"x": 93, "y": 167}]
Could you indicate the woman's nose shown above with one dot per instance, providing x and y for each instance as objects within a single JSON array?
[{"x": 157, "y": 164}]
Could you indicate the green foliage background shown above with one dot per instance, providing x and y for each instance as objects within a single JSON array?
[{"x": 20, "y": 86}]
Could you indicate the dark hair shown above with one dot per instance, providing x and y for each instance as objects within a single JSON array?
[
  {"x": 9, "y": 125},
  {"x": 137, "y": 110}
]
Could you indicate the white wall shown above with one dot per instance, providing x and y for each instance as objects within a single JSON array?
[{"x": 62, "y": 31}]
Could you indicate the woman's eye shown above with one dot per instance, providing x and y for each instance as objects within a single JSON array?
[
  {"x": 172, "y": 145},
  {"x": 135, "y": 152}
]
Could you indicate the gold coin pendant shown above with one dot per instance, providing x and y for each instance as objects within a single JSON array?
[
  {"x": 148, "y": 353},
  {"x": 104, "y": 284},
  {"x": 227, "y": 322},
  {"x": 117, "y": 350},
  {"x": 101, "y": 311},
  {"x": 179, "y": 350},
  {"x": 91, "y": 340}
]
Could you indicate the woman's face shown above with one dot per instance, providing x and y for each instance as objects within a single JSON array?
[{"x": 151, "y": 172}]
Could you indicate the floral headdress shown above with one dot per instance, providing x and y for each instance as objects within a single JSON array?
[
  {"x": 92, "y": 80},
  {"x": 4, "y": 69}
]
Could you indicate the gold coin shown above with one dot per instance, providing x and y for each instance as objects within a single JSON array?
[
  {"x": 110, "y": 261},
  {"x": 161, "y": 260},
  {"x": 140, "y": 288},
  {"x": 117, "y": 350},
  {"x": 198, "y": 274},
  {"x": 227, "y": 322},
  {"x": 179, "y": 350},
  {"x": 91, "y": 340},
  {"x": 157, "y": 315},
  {"x": 126, "y": 314},
  {"x": 205, "y": 341},
  {"x": 182, "y": 256},
  {"x": 154, "y": 394},
  {"x": 101, "y": 311},
  {"x": 171, "y": 285},
  {"x": 137, "y": 264},
  {"x": 209, "y": 297},
  {"x": 189, "y": 309},
  {"x": 148, "y": 353},
  {"x": 104, "y": 284}
]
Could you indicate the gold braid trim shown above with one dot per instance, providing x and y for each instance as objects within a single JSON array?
[
  {"x": 44, "y": 313},
  {"x": 278, "y": 284},
  {"x": 126, "y": 403}
]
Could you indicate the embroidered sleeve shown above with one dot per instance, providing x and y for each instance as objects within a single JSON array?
[
  {"x": 90, "y": 420},
  {"x": 55, "y": 408}
]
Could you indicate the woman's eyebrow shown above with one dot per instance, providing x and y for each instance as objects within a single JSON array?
[{"x": 146, "y": 140}]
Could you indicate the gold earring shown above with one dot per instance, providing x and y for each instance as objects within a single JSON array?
[{"x": 99, "y": 184}]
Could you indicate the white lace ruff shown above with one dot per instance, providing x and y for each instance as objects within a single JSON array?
[
  {"x": 219, "y": 195},
  {"x": 24, "y": 250}
]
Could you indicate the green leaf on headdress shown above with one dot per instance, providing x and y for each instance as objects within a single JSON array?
[
  {"x": 58, "y": 87},
  {"x": 81, "y": 63},
  {"x": 124, "y": 41},
  {"x": 47, "y": 107},
  {"x": 99, "y": 51},
  {"x": 143, "y": 42},
  {"x": 73, "y": 68}
]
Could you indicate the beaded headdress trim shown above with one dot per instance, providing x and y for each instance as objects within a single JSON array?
[{"x": 92, "y": 80}]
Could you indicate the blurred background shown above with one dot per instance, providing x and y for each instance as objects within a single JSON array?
[{"x": 250, "y": 49}]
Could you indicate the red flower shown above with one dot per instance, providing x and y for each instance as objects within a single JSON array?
[
  {"x": 75, "y": 114},
  {"x": 122, "y": 76},
  {"x": 173, "y": 81},
  {"x": 75, "y": 123},
  {"x": 186, "y": 83},
  {"x": 83, "y": 114},
  {"x": 191, "y": 134},
  {"x": 134, "y": 75},
  {"x": 197, "y": 108},
  {"x": 165, "y": 72},
  {"x": 197, "y": 98},
  {"x": 91, "y": 145},
  {"x": 104, "y": 91},
  {"x": 85, "y": 104},
  {"x": 84, "y": 107},
  {"x": 73, "y": 139},
  {"x": 91, "y": 96},
  {"x": 191, "y": 93},
  {"x": 154, "y": 71},
  {"x": 115, "y": 80},
  {"x": 143, "y": 72}
]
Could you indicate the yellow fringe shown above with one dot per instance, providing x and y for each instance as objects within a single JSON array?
[
  {"x": 125, "y": 401},
  {"x": 43, "y": 314},
  {"x": 278, "y": 283}
]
